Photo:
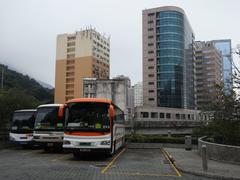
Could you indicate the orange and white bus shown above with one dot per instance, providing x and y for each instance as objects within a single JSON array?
[{"x": 92, "y": 125}]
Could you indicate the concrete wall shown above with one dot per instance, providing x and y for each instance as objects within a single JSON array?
[
  {"x": 113, "y": 89},
  {"x": 176, "y": 114},
  {"x": 221, "y": 152}
]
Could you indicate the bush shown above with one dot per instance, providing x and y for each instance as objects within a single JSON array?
[{"x": 140, "y": 138}]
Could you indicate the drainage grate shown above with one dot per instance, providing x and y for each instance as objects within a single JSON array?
[
  {"x": 165, "y": 161},
  {"x": 100, "y": 165}
]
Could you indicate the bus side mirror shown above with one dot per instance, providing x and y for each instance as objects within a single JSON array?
[
  {"x": 66, "y": 116},
  {"x": 111, "y": 111},
  {"x": 61, "y": 111}
]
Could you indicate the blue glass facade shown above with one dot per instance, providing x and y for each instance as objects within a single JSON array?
[
  {"x": 224, "y": 46},
  {"x": 170, "y": 58}
]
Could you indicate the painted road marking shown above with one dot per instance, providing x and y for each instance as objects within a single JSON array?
[
  {"x": 139, "y": 173},
  {"x": 112, "y": 161},
  {"x": 166, "y": 154},
  {"x": 31, "y": 152},
  {"x": 61, "y": 157},
  {"x": 143, "y": 174}
]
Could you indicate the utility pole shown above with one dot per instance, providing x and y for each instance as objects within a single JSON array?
[{"x": 2, "y": 77}]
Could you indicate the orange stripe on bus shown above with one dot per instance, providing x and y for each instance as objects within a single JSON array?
[
  {"x": 101, "y": 100},
  {"x": 86, "y": 133}
]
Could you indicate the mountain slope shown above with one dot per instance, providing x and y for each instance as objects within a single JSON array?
[
  {"x": 15, "y": 80},
  {"x": 19, "y": 92}
]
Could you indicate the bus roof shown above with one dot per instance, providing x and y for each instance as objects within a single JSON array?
[
  {"x": 100, "y": 100},
  {"x": 25, "y": 110},
  {"x": 49, "y": 105}
]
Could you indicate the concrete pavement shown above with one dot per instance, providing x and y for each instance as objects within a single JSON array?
[{"x": 191, "y": 162}]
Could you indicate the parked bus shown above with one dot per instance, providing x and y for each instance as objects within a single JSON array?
[
  {"x": 21, "y": 130},
  {"x": 48, "y": 129},
  {"x": 93, "y": 124}
]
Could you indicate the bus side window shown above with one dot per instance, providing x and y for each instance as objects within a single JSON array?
[{"x": 119, "y": 118}]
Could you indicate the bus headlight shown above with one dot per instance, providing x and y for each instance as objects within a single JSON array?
[
  {"x": 36, "y": 137},
  {"x": 105, "y": 142},
  {"x": 66, "y": 142},
  {"x": 12, "y": 138}
]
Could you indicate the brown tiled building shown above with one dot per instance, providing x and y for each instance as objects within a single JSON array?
[
  {"x": 83, "y": 54},
  {"x": 208, "y": 72}
]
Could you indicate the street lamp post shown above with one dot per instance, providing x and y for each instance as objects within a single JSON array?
[{"x": 2, "y": 77}]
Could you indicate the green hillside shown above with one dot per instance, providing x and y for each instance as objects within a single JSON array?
[{"x": 20, "y": 92}]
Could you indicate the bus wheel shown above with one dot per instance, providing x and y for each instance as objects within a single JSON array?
[
  {"x": 77, "y": 155},
  {"x": 114, "y": 148},
  {"x": 47, "y": 149},
  {"x": 123, "y": 141}
]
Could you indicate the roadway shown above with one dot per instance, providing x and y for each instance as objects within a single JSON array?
[{"x": 36, "y": 164}]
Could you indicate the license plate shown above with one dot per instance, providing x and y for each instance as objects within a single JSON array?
[
  {"x": 23, "y": 137},
  {"x": 50, "y": 144},
  {"x": 85, "y": 144},
  {"x": 84, "y": 150}
]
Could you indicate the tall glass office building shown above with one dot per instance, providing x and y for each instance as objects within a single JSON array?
[
  {"x": 224, "y": 46},
  {"x": 168, "y": 58}
]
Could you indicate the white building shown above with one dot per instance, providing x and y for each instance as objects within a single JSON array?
[
  {"x": 116, "y": 89},
  {"x": 138, "y": 94}
]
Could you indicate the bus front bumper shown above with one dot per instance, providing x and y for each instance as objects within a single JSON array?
[{"x": 21, "y": 139}]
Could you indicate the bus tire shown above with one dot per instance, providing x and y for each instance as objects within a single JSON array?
[
  {"x": 77, "y": 155},
  {"x": 47, "y": 149},
  {"x": 123, "y": 141},
  {"x": 113, "y": 149}
]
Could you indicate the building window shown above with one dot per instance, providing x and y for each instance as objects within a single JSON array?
[
  {"x": 150, "y": 67},
  {"x": 151, "y": 14},
  {"x": 144, "y": 114},
  {"x": 71, "y": 44},
  {"x": 154, "y": 115},
  {"x": 151, "y": 75},
  {"x": 151, "y": 91},
  {"x": 161, "y": 115},
  {"x": 189, "y": 117},
  {"x": 183, "y": 116},
  {"x": 71, "y": 38},
  {"x": 150, "y": 83},
  {"x": 70, "y": 56},
  {"x": 177, "y": 116},
  {"x": 168, "y": 115},
  {"x": 150, "y": 60},
  {"x": 70, "y": 68},
  {"x": 70, "y": 62},
  {"x": 150, "y": 52},
  {"x": 151, "y": 99},
  {"x": 150, "y": 22},
  {"x": 150, "y": 37},
  {"x": 70, "y": 49},
  {"x": 192, "y": 117},
  {"x": 150, "y": 44},
  {"x": 150, "y": 29}
]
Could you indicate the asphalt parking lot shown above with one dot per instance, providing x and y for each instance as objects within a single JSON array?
[{"x": 33, "y": 164}]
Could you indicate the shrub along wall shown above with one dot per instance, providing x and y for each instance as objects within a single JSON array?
[{"x": 141, "y": 138}]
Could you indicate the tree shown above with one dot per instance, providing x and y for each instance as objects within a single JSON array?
[
  {"x": 224, "y": 126},
  {"x": 12, "y": 100}
]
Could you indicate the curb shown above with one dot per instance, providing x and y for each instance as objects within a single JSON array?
[{"x": 208, "y": 175}]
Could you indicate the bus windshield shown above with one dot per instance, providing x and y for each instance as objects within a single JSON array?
[
  {"x": 47, "y": 119},
  {"x": 23, "y": 122},
  {"x": 88, "y": 116}
]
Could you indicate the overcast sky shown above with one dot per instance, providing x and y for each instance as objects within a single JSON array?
[{"x": 28, "y": 29}]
